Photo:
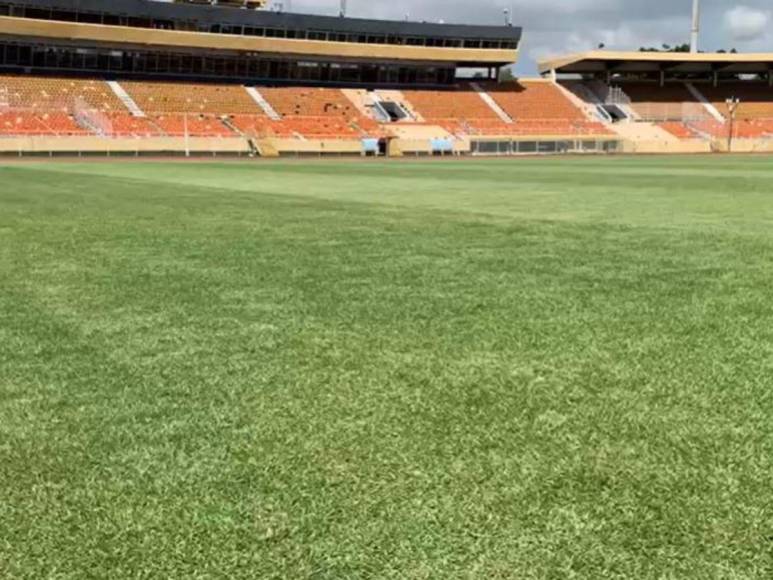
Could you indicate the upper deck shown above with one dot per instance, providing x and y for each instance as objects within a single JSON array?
[{"x": 206, "y": 27}]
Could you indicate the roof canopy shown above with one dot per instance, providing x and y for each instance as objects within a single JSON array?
[{"x": 602, "y": 61}]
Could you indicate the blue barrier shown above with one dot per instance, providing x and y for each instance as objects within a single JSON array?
[
  {"x": 442, "y": 145},
  {"x": 370, "y": 145}
]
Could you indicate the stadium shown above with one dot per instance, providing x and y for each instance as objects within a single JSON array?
[
  {"x": 289, "y": 295},
  {"x": 133, "y": 76}
]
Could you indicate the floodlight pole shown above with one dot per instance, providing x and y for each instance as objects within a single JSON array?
[{"x": 696, "y": 25}]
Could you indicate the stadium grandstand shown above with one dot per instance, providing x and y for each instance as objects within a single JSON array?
[
  {"x": 672, "y": 102},
  {"x": 136, "y": 76},
  {"x": 199, "y": 77}
]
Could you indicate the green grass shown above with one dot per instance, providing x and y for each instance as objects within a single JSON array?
[{"x": 553, "y": 368}]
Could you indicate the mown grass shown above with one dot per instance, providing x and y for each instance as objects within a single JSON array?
[{"x": 495, "y": 369}]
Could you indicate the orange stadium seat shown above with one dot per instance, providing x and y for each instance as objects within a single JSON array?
[
  {"x": 542, "y": 100},
  {"x": 309, "y": 102},
  {"x": 218, "y": 110},
  {"x": 208, "y": 99},
  {"x": 127, "y": 125},
  {"x": 756, "y": 99},
  {"x": 39, "y": 123},
  {"x": 317, "y": 113},
  {"x": 671, "y": 102},
  {"x": 48, "y": 106},
  {"x": 463, "y": 103},
  {"x": 536, "y": 107},
  {"x": 194, "y": 125},
  {"x": 58, "y": 94},
  {"x": 678, "y": 129},
  {"x": 291, "y": 127}
]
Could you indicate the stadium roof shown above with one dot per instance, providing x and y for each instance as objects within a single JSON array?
[{"x": 602, "y": 61}]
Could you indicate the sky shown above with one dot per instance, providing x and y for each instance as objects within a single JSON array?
[{"x": 559, "y": 26}]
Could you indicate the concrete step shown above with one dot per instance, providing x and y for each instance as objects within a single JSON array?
[
  {"x": 126, "y": 99},
  {"x": 699, "y": 96},
  {"x": 589, "y": 105},
  {"x": 263, "y": 104},
  {"x": 489, "y": 100},
  {"x": 398, "y": 98}
]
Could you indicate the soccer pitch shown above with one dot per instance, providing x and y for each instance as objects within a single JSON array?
[{"x": 535, "y": 368}]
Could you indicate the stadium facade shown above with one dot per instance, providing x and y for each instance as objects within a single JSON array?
[
  {"x": 141, "y": 76},
  {"x": 140, "y": 37}
]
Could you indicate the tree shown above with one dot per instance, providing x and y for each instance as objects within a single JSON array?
[
  {"x": 506, "y": 75},
  {"x": 666, "y": 48}
]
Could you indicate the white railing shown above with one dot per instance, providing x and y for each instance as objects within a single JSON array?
[
  {"x": 91, "y": 119},
  {"x": 617, "y": 96},
  {"x": 660, "y": 112}
]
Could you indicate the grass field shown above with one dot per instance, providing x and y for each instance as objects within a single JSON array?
[{"x": 553, "y": 368}]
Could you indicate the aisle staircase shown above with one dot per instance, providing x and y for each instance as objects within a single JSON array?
[
  {"x": 397, "y": 98},
  {"x": 126, "y": 99},
  {"x": 489, "y": 100},
  {"x": 586, "y": 100},
  {"x": 263, "y": 104},
  {"x": 710, "y": 108}
]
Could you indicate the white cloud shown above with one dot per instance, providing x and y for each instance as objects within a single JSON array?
[
  {"x": 558, "y": 26},
  {"x": 746, "y": 23}
]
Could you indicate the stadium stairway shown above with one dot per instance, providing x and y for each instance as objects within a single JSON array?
[
  {"x": 368, "y": 105},
  {"x": 589, "y": 101},
  {"x": 701, "y": 98},
  {"x": 500, "y": 112},
  {"x": 615, "y": 96},
  {"x": 400, "y": 99},
  {"x": 263, "y": 103},
  {"x": 126, "y": 99},
  {"x": 592, "y": 108}
]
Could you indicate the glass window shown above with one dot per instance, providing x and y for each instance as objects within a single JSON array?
[{"x": 90, "y": 18}]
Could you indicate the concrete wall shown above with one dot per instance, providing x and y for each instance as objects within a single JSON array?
[
  {"x": 402, "y": 147},
  {"x": 95, "y": 145},
  {"x": 275, "y": 147},
  {"x": 313, "y": 146},
  {"x": 668, "y": 147},
  {"x": 745, "y": 146}
]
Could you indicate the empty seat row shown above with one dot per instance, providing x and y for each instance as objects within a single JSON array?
[
  {"x": 309, "y": 102},
  {"x": 57, "y": 94},
  {"x": 525, "y": 100},
  {"x": 463, "y": 103},
  {"x": 212, "y": 99},
  {"x": 39, "y": 124},
  {"x": 291, "y": 127},
  {"x": 49, "y": 105}
]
